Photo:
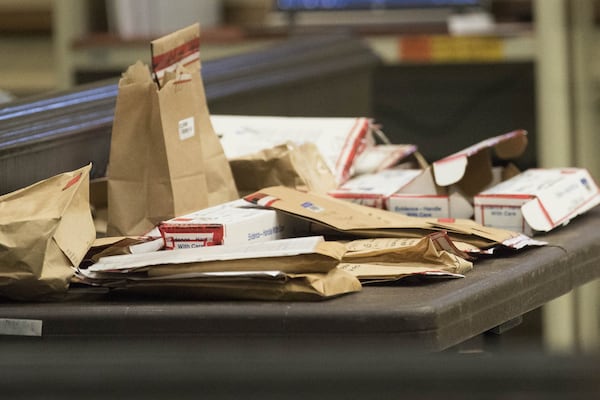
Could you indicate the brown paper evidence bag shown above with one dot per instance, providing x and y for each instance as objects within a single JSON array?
[
  {"x": 165, "y": 158},
  {"x": 45, "y": 231}
]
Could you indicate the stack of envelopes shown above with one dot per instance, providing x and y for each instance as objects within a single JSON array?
[
  {"x": 299, "y": 269},
  {"x": 305, "y": 268}
]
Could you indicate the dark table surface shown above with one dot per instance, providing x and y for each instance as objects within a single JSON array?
[{"x": 432, "y": 315}]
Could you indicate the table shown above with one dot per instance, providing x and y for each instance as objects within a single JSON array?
[{"x": 431, "y": 316}]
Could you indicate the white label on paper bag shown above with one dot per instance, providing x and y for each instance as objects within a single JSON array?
[
  {"x": 186, "y": 128},
  {"x": 20, "y": 327}
]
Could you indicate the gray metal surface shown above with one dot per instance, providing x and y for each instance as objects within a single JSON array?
[{"x": 427, "y": 316}]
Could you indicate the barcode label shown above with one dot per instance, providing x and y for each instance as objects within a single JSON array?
[{"x": 186, "y": 128}]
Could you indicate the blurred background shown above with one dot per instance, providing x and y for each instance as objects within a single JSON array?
[{"x": 448, "y": 73}]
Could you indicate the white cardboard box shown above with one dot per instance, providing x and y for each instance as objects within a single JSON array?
[
  {"x": 378, "y": 157},
  {"x": 421, "y": 197},
  {"x": 443, "y": 190},
  {"x": 407, "y": 191},
  {"x": 374, "y": 189},
  {"x": 470, "y": 170},
  {"x": 235, "y": 222},
  {"x": 537, "y": 200}
]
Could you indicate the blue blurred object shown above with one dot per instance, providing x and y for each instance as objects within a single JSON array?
[{"x": 304, "y": 5}]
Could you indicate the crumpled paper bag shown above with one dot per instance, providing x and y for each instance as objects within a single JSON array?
[
  {"x": 45, "y": 231},
  {"x": 291, "y": 165}
]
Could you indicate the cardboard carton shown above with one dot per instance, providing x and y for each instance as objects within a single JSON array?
[
  {"x": 537, "y": 200},
  {"x": 376, "y": 158},
  {"x": 471, "y": 170},
  {"x": 235, "y": 222},
  {"x": 373, "y": 189},
  {"x": 421, "y": 197},
  {"x": 446, "y": 188},
  {"x": 406, "y": 191}
]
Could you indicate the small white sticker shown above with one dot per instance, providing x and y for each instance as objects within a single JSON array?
[
  {"x": 307, "y": 205},
  {"x": 186, "y": 128},
  {"x": 20, "y": 327}
]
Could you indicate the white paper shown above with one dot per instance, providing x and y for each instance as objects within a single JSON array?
[
  {"x": 147, "y": 247},
  {"x": 214, "y": 275},
  {"x": 190, "y": 275},
  {"x": 274, "y": 248}
]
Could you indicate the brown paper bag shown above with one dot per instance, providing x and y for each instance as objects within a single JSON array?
[
  {"x": 45, "y": 231},
  {"x": 165, "y": 159},
  {"x": 290, "y": 165}
]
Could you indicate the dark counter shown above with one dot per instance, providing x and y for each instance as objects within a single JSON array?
[{"x": 427, "y": 316}]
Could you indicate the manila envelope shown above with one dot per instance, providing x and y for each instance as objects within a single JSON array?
[
  {"x": 296, "y": 255},
  {"x": 45, "y": 231},
  {"x": 390, "y": 259},
  {"x": 357, "y": 220},
  {"x": 293, "y": 286}
]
